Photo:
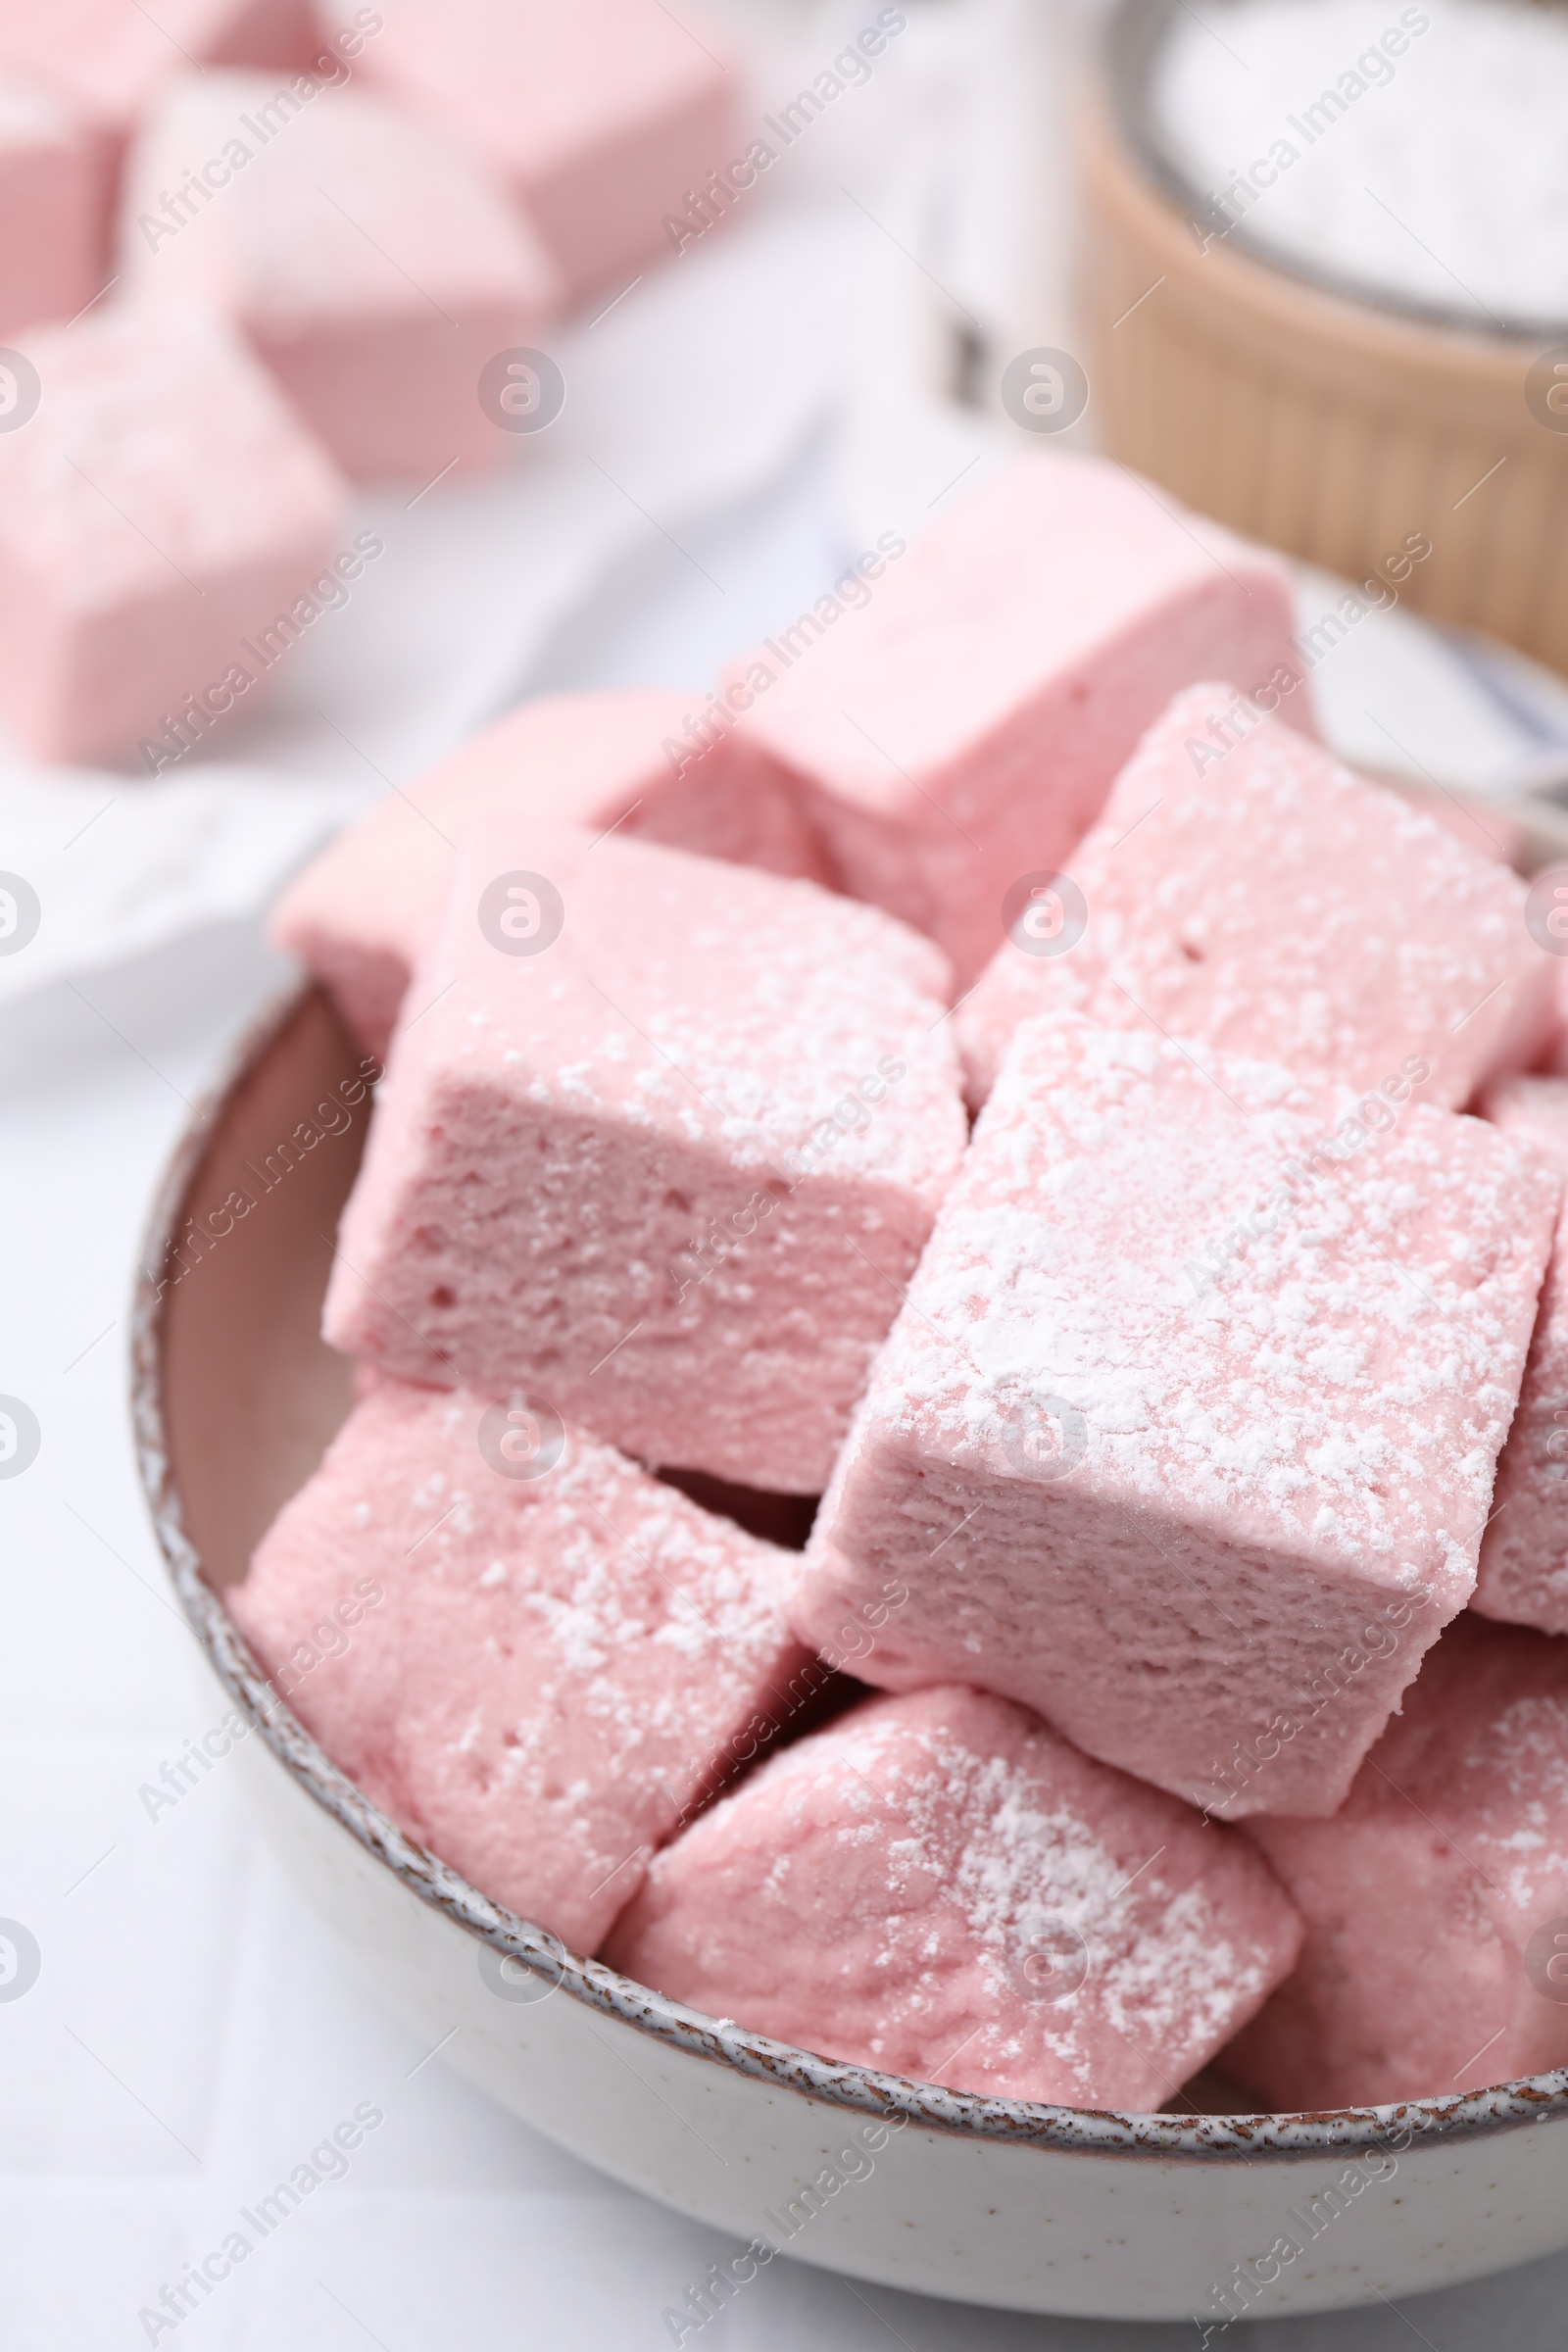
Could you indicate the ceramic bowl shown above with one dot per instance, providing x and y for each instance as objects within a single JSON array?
[
  {"x": 994, "y": 2201},
  {"x": 1344, "y": 426}
]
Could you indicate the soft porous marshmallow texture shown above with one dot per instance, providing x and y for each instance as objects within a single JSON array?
[
  {"x": 937, "y": 1887},
  {"x": 1524, "y": 1555},
  {"x": 965, "y": 726},
  {"x": 372, "y": 268},
  {"x": 1436, "y": 1902},
  {"x": 672, "y": 1170},
  {"x": 538, "y": 1676},
  {"x": 364, "y": 911},
  {"x": 1186, "y": 1433},
  {"x": 1255, "y": 895}
]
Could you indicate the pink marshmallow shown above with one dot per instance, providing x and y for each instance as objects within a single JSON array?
[
  {"x": 366, "y": 910},
  {"x": 1524, "y": 1557},
  {"x": 111, "y": 57},
  {"x": 1553, "y": 1057},
  {"x": 1486, "y": 832},
  {"x": 373, "y": 270},
  {"x": 1185, "y": 1436},
  {"x": 52, "y": 262},
  {"x": 939, "y": 1886},
  {"x": 158, "y": 508},
  {"x": 599, "y": 117},
  {"x": 1263, "y": 898},
  {"x": 965, "y": 727},
  {"x": 1436, "y": 1902},
  {"x": 537, "y": 1661},
  {"x": 671, "y": 1168}
]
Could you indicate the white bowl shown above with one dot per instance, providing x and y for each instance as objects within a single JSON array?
[{"x": 1040, "y": 2209}]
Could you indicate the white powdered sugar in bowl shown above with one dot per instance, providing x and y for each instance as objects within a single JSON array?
[{"x": 1418, "y": 152}]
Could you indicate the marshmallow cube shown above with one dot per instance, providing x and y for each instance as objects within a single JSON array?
[
  {"x": 533, "y": 1657},
  {"x": 1436, "y": 1902},
  {"x": 962, "y": 730},
  {"x": 604, "y": 120},
  {"x": 1242, "y": 889},
  {"x": 161, "y": 505},
  {"x": 52, "y": 202},
  {"x": 364, "y": 910},
  {"x": 1185, "y": 1435},
  {"x": 112, "y": 58},
  {"x": 1553, "y": 1058},
  {"x": 372, "y": 267},
  {"x": 937, "y": 1887},
  {"x": 670, "y": 1167},
  {"x": 1524, "y": 1554}
]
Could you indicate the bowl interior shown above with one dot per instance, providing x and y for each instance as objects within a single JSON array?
[
  {"x": 252, "y": 1394},
  {"x": 238, "y": 1398}
]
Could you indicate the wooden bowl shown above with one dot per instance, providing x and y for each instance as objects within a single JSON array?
[
  {"x": 1033, "y": 2208},
  {"x": 1336, "y": 426}
]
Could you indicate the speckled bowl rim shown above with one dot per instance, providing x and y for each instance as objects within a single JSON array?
[
  {"x": 1132, "y": 40},
  {"x": 1083, "y": 2131}
]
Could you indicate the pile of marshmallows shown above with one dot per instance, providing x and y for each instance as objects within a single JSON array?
[
  {"x": 255, "y": 247},
  {"x": 1175, "y": 1429}
]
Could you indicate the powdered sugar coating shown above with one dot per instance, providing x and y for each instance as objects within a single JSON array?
[
  {"x": 1380, "y": 201},
  {"x": 964, "y": 728},
  {"x": 559, "y": 1668},
  {"x": 362, "y": 912},
  {"x": 892, "y": 1892},
  {"x": 1431, "y": 1898},
  {"x": 1257, "y": 895},
  {"x": 1279, "y": 1399},
  {"x": 672, "y": 1170},
  {"x": 1523, "y": 1576}
]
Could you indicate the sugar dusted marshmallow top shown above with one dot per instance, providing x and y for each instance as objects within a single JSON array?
[
  {"x": 162, "y": 505},
  {"x": 1242, "y": 888},
  {"x": 964, "y": 728},
  {"x": 559, "y": 1656},
  {"x": 1186, "y": 1433},
  {"x": 598, "y": 117},
  {"x": 1436, "y": 1902},
  {"x": 364, "y": 910},
  {"x": 1523, "y": 1576},
  {"x": 373, "y": 268},
  {"x": 939, "y": 1886},
  {"x": 672, "y": 1168}
]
